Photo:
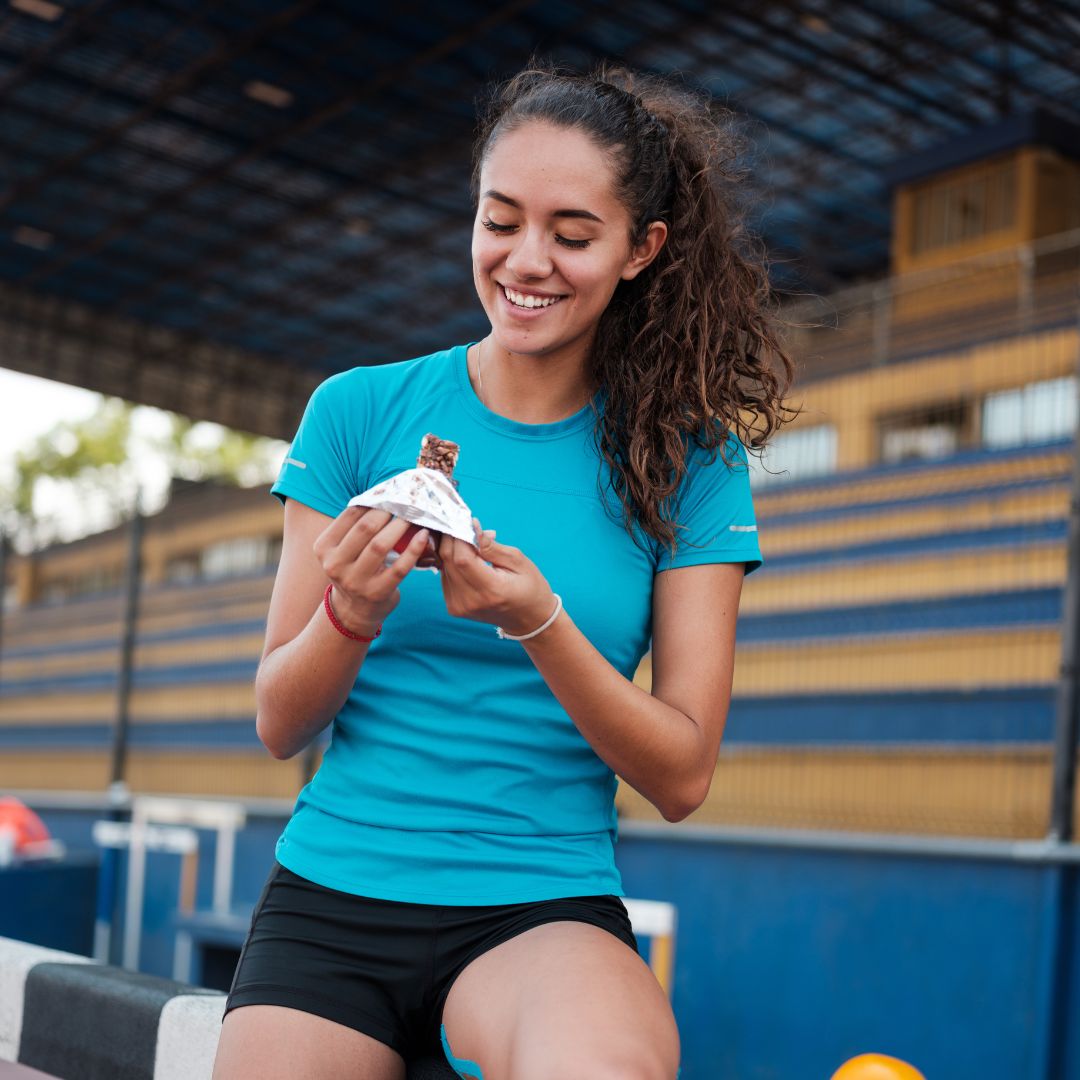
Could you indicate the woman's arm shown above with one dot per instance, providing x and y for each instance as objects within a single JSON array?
[
  {"x": 663, "y": 744},
  {"x": 307, "y": 667}
]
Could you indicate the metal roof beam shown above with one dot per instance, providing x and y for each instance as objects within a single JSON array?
[
  {"x": 874, "y": 78},
  {"x": 77, "y": 25},
  {"x": 153, "y": 155},
  {"x": 944, "y": 56},
  {"x": 894, "y": 50},
  {"x": 72, "y": 343},
  {"x": 279, "y": 233},
  {"x": 319, "y": 118},
  {"x": 344, "y": 276},
  {"x": 177, "y": 84},
  {"x": 695, "y": 49},
  {"x": 968, "y": 12},
  {"x": 765, "y": 37},
  {"x": 1050, "y": 20}
]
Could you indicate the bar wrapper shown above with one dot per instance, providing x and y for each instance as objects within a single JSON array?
[{"x": 424, "y": 497}]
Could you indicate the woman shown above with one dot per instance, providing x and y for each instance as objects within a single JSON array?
[{"x": 449, "y": 871}]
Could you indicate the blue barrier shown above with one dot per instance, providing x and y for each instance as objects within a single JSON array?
[{"x": 799, "y": 951}]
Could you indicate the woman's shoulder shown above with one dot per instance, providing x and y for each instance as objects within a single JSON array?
[
  {"x": 720, "y": 448},
  {"x": 389, "y": 377}
]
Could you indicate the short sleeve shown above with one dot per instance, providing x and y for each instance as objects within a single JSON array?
[
  {"x": 717, "y": 510},
  {"x": 321, "y": 469}
]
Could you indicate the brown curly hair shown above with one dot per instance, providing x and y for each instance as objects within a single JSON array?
[{"x": 690, "y": 349}]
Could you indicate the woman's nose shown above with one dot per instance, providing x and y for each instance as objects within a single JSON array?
[{"x": 529, "y": 257}]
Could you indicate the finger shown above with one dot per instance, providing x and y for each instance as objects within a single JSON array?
[
  {"x": 346, "y": 537},
  {"x": 368, "y": 542},
  {"x": 408, "y": 559},
  {"x": 386, "y": 540},
  {"x": 467, "y": 565},
  {"x": 332, "y": 535},
  {"x": 503, "y": 555}
]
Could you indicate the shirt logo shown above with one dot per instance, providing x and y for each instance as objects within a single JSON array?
[
  {"x": 743, "y": 528},
  {"x": 293, "y": 461}
]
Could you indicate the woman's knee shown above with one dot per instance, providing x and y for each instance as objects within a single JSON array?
[
  {"x": 647, "y": 1063},
  {"x": 639, "y": 1055}
]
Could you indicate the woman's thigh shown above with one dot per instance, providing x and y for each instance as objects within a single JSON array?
[
  {"x": 269, "y": 1042},
  {"x": 565, "y": 1000}
]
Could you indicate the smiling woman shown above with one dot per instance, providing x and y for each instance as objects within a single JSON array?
[
  {"x": 459, "y": 835},
  {"x": 551, "y": 243}
]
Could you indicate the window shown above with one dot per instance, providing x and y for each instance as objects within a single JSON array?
[
  {"x": 796, "y": 455},
  {"x": 181, "y": 569},
  {"x": 928, "y": 433},
  {"x": 951, "y": 210},
  {"x": 98, "y": 580},
  {"x": 1039, "y": 412},
  {"x": 241, "y": 556}
]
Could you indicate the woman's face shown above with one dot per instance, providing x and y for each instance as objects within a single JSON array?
[{"x": 551, "y": 241}]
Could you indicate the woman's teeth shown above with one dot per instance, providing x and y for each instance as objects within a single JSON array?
[{"x": 525, "y": 301}]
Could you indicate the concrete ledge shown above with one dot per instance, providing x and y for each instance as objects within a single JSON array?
[{"x": 75, "y": 1019}]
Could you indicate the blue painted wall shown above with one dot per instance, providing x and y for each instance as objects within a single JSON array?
[
  {"x": 790, "y": 960},
  {"x": 50, "y": 903}
]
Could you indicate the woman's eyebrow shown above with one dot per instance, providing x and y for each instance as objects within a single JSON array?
[{"x": 586, "y": 214}]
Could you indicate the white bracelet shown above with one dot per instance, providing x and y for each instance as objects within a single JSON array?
[{"x": 539, "y": 630}]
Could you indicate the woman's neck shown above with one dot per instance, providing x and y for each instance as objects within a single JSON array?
[{"x": 528, "y": 389}]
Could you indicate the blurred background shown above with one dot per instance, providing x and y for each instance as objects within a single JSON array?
[{"x": 206, "y": 209}]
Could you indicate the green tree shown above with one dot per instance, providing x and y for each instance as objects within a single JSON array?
[
  {"x": 201, "y": 451},
  {"x": 96, "y": 462}
]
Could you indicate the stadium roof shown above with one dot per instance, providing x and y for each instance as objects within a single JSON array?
[{"x": 209, "y": 206}]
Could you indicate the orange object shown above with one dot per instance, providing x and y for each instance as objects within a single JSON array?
[
  {"x": 877, "y": 1067},
  {"x": 18, "y": 819}
]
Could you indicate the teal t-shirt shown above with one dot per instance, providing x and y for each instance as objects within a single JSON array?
[{"x": 453, "y": 774}]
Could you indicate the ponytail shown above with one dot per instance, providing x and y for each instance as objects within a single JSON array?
[{"x": 688, "y": 350}]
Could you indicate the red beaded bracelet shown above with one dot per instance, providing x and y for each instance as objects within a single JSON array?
[{"x": 336, "y": 623}]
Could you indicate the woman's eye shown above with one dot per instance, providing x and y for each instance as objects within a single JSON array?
[{"x": 501, "y": 230}]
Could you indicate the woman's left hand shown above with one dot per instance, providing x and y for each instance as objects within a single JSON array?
[{"x": 511, "y": 592}]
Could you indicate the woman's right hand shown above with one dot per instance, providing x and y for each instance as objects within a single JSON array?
[{"x": 352, "y": 551}]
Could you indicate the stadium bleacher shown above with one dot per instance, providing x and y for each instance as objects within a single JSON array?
[{"x": 896, "y": 671}]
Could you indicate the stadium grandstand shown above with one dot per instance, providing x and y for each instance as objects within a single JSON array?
[{"x": 212, "y": 208}]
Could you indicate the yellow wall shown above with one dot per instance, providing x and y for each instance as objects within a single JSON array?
[
  {"x": 1057, "y": 207},
  {"x": 1048, "y": 503},
  {"x": 953, "y": 573},
  {"x": 251, "y": 774},
  {"x": 985, "y": 792},
  {"x": 854, "y": 402},
  {"x": 197, "y": 701},
  {"x": 1046, "y": 202},
  {"x": 163, "y": 540}
]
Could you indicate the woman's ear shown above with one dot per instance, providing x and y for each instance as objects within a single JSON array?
[{"x": 646, "y": 251}]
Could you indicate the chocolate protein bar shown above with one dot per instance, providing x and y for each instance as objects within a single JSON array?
[{"x": 438, "y": 454}]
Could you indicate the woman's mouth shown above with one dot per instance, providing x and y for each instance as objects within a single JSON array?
[{"x": 522, "y": 302}]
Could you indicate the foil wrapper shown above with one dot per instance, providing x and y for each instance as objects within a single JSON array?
[{"x": 423, "y": 497}]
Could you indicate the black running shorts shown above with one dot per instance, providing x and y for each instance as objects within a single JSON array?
[{"x": 383, "y": 967}]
